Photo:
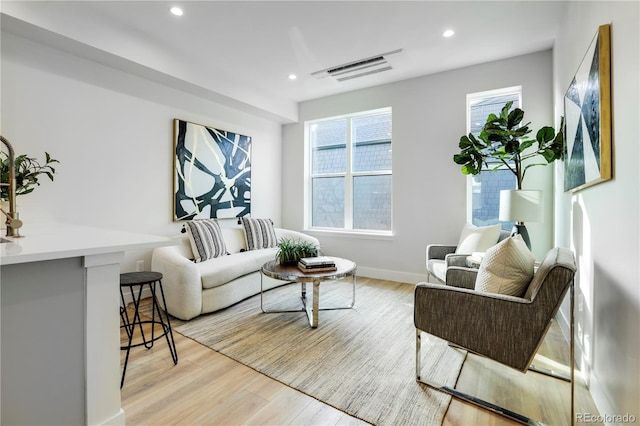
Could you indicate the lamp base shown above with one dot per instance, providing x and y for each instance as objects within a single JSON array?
[{"x": 519, "y": 228}]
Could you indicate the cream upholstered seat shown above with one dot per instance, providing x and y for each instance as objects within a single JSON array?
[
  {"x": 448, "y": 262},
  {"x": 504, "y": 328}
]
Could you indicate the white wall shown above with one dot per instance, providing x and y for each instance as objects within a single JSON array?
[
  {"x": 601, "y": 223},
  {"x": 113, "y": 135},
  {"x": 428, "y": 187}
]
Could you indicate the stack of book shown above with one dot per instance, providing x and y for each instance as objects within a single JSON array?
[{"x": 316, "y": 264}]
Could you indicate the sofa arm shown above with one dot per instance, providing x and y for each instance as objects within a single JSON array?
[
  {"x": 439, "y": 251},
  {"x": 463, "y": 277},
  {"x": 296, "y": 236},
  {"x": 454, "y": 259},
  {"x": 181, "y": 282}
]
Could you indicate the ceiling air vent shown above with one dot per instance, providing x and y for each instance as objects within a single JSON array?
[{"x": 359, "y": 68}]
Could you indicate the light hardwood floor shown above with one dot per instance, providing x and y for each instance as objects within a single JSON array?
[{"x": 209, "y": 388}]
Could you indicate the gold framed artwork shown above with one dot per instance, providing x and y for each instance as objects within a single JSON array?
[
  {"x": 587, "y": 109},
  {"x": 212, "y": 172}
]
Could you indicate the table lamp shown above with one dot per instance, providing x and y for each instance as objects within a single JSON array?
[{"x": 519, "y": 206}]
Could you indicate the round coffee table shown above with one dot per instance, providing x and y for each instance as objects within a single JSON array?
[{"x": 344, "y": 268}]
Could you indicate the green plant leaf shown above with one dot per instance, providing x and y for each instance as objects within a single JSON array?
[
  {"x": 521, "y": 131},
  {"x": 545, "y": 135},
  {"x": 461, "y": 158},
  {"x": 504, "y": 113},
  {"x": 512, "y": 146},
  {"x": 525, "y": 145},
  {"x": 492, "y": 117},
  {"x": 468, "y": 169},
  {"x": 514, "y": 118},
  {"x": 465, "y": 142}
]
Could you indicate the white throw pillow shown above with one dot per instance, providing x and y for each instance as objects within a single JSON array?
[
  {"x": 477, "y": 238},
  {"x": 206, "y": 239},
  {"x": 507, "y": 268}
]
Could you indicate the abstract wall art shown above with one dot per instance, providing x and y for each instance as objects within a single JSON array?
[
  {"x": 212, "y": 172},
  {"x": 587, "y": 108}
]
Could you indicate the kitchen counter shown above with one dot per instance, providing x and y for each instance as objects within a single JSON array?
[
  {"x": 60, "y": 324},
  {"x": 58, "y": 241}
]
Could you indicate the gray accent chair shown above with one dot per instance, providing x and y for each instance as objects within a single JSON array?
[
  {"x": 445, "y": 265},
  {"x": 506, "y": 329}
]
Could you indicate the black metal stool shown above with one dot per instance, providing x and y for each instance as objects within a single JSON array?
[{"x": 154, "y": 281}]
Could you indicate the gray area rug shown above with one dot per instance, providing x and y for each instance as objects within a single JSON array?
[{"x": 360, "y": 360}]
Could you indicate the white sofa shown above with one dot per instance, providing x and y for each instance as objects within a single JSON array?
[{"x": 193, "y": 288}]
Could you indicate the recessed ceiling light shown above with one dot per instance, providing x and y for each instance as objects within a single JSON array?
[
  {"x": 292, "y": 76},
  {"x": 176, "y": 11},
  {"x": 448, "y": 33}
]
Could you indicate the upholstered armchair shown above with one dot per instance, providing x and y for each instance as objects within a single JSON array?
[
  {"x": 506, "y": 329},
  {"x": 446, "y": 264}
]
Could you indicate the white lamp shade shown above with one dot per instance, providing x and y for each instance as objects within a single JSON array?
[{"x": 522, "y": 205}]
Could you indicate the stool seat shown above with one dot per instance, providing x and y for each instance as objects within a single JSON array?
[
  {"x": 139, "y": 278},
  {"x": 154, "y": 282}
]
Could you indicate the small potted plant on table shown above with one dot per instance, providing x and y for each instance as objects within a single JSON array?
[{"x": 290, "y": 251}]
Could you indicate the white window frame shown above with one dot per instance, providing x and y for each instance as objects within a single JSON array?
[
  {"x": 348, "y": 175},
  {"x": 478, "y": 96}
]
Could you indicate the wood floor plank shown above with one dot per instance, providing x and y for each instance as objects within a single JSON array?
[
  {"x": 317, "y": 413},
  {"x": 281, "y": 410},
  {"x": 209, "y": 388}
]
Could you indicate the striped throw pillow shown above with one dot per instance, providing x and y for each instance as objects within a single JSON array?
[
  {"x": 206, "y": 239},
  {"x": 259, "y": 233}
]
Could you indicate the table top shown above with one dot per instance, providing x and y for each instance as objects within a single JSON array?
[{"x": 273, "y": 269}]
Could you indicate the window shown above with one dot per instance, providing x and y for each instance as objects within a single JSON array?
[
  {"x": 350, "y": 172},
  {"x": 484, "y": 188}
]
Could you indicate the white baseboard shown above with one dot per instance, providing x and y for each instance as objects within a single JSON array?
[
  {"x": 594, "y": 385},
  {"x": 146, "y": 292},
  {"x": 604, "y": 406},
  {"x": 385, "y": 274},
  {"x": 117, "y": 420}
]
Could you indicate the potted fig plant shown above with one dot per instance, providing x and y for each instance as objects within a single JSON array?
[
  {"x": 504, "y": 142},
  {"x": 290, "y": 251}
]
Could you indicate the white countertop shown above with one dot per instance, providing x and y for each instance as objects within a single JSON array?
[{"x": 58, "y": 241}]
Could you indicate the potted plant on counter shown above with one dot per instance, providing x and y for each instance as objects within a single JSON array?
[{"x": 27, "y": 171}]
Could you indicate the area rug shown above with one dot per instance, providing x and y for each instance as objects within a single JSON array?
[{"x": 360, "y": 360}]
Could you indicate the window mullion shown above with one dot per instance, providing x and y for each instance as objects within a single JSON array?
[{"x": 348, "y": 181}]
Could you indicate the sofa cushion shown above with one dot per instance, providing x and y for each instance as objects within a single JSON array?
[
  {"x": 437, "y": 268},
  {"x": 234, "y": 239},
  {"x": 477, "y": 238},
  {"x": 507, "y": 268},
  {"x": 259, "y": 233},
  {"x": 227, "y": 268},
  {"x": 206, "y": 239}
]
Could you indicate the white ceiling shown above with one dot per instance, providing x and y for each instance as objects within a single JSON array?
[{"x": 245, "y": 50}]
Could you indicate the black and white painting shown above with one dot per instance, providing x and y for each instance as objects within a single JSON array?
[
  {"x": 587, "y": 110},
  {"x": 212, "y": 172}
]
